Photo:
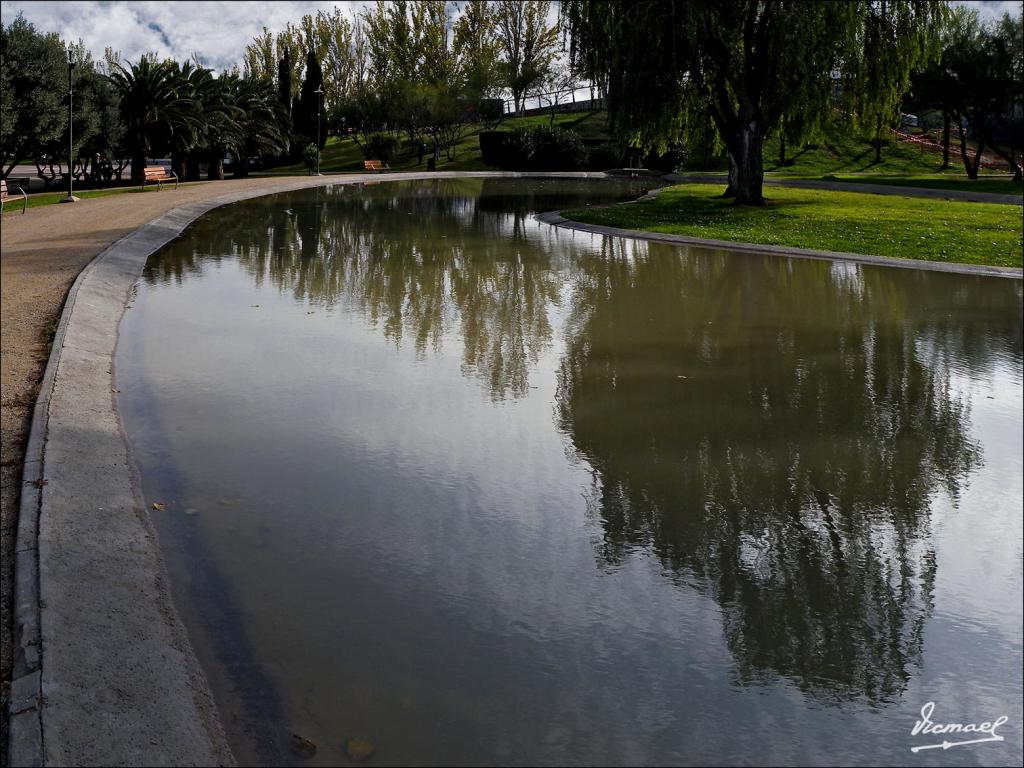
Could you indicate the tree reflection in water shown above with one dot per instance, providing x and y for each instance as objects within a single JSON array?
[
  {"x": 417, "y": 260},
  {"x": 772, "y": 430}
]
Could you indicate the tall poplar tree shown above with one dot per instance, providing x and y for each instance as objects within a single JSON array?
[{"x": 528, "y": 44}]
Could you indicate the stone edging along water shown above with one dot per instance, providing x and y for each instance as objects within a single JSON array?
[
  {"x": 104, "y": 673},
  {"x": 556, "y": 219}
]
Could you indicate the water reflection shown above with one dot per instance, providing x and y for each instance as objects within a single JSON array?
[
  {"x": 776, "y": 435},
  {"x": 419, "y": 261},
  {"x": 760, "y": 449}
]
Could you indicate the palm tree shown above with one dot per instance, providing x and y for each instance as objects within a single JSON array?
[
  {"x": 262, "y": 123},
  {"x": 153, "y": 106},
  {"x": 222, "y": 121},
  {"x": 187, "y": 135}
]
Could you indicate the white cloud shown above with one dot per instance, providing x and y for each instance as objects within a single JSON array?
[
  {"x": 992, "y": 9},
  {"x": 218, "y": 31}
]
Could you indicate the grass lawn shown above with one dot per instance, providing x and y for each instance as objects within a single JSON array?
[{"x": 903, "y": 227}]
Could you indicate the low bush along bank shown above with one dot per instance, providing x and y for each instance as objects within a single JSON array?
[
  {"x": 544, "y": 148},
  {"x": 902, "y": 227}
]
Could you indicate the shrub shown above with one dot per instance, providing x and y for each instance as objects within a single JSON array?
[
  {"x": 602, "y": 155},
  {"x": 493, "y": 146},
  {"x": 669, "y": 161},
  {"x": 533, "y": 149},
  {"x": 490, "y": 111},
  {"x": 381, "y": 146},
  {"x": 309, "y": 155}
]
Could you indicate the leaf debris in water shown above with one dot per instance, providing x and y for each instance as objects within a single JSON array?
[
  {"x": 159, "y": 506},
  {"x": 302, "y": 747},
  {"x": 359, "y": 749}
]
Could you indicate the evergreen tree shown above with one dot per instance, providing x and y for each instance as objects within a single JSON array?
[{"x": 304, "y": 110}]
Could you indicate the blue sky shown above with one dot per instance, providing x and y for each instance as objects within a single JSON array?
[{"x": 218, "y": 31}]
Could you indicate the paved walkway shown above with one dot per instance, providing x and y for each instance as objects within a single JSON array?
[
  {"x": 41, "y": 253},
  {"x": 872, "y": 189},
  {"x": 92, "y": 612}
]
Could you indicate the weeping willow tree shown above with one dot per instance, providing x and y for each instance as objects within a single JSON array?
[
  {"x": 894, "y": 44},
  {"x": 747, "y": 66}
]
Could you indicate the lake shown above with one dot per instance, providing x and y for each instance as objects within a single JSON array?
[{"x": 472, "y": 489}]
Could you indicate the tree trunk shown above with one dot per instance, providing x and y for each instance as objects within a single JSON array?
[
  {"x": 215, "y": 169},
  {"x": 178, "y": 163},
  {"x": 973, "y": 172},
  {"x": 969, "y": 167},
  {"x": 730, "y": 189},
  {"x": 878, "y": 141},
  {"x": 749, "y": 182},
  {"x": 1010, "y": 157},
  {"x": 945, "y": 140},
  {"x": 138, "y": 169},
  {"x": 241, "y": 168},
  {"x": 192, "y": 167}
]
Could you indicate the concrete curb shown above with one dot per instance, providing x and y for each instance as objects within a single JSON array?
[
  {"x": 556, "y": 219},
  {"x": 964, "y": 195},
  {"x": 124, "y": 688}
]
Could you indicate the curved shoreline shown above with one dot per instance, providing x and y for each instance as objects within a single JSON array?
[
  {"x": 92, "y": 608},
  {"x": 86, "y": 688},
  {"x": 556, "y": 219}
]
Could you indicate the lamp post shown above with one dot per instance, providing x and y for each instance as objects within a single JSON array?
[
  {"x": 319, "y": 104},
  {"x": 71, "y": 152}
]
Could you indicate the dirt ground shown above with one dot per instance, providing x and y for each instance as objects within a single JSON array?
[{"x": 41, "y": 253}]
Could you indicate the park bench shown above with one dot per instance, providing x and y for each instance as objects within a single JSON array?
[
  {"x": 158, "y": 174},
  {"x": 375, "y": 165},
  {"x": 5, "y": 196}
]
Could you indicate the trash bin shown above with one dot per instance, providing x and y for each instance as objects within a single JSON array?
[{"x": 431, "y": 164}]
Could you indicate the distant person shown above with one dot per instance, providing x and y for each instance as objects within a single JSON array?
[{"x": 422, "y": 150}]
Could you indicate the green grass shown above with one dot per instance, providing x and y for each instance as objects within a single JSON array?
[
  {"x": 843, "y": 153},
  {"x": 902, "y": 227}
]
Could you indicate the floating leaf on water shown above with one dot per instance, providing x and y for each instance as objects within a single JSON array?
[
  {"x": 359, "y": 749},
  {"x": 159, "y": 506},
  {"x": 302, "y": 747}
]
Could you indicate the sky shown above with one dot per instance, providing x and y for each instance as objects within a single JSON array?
[{"x": 218, "y": 31}]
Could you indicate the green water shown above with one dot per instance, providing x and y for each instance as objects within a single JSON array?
[{"x": 478, "y": 490}]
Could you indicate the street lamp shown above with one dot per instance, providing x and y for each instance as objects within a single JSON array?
[
  {"x": 71, "y": 153},
  {"x": 319, "y": 103}
]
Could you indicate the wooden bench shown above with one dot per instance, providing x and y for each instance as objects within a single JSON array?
[
  {"x": 5, "y": 196},
  {"x": 375, "y": 165},
  {"x": 158, "y": 174}
]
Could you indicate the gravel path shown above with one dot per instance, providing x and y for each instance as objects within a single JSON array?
[{"x": 41, "y": 253}]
